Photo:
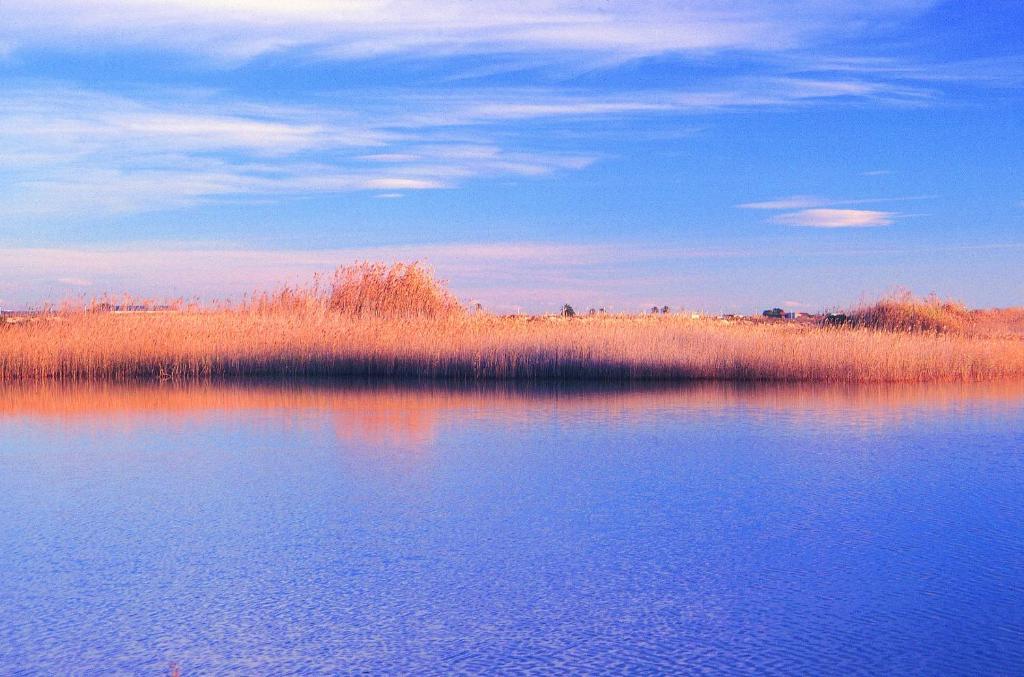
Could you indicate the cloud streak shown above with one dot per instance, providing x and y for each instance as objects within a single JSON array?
[
  {"x": 816, "y": 212},
  {"x": 234, "y": 30},
  {"x": 70, "y": 151},
  {"x": 836, "y": 218},
  {"x": 75, "y": 152},
  {"x": 794, "y": 202}
]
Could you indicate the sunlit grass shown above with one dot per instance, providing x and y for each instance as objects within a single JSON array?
[{"x": 373, "y": 320}]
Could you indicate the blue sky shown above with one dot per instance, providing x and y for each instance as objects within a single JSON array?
[{"x": 722, "y": 156}]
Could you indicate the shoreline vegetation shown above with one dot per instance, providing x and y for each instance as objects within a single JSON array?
[{"x": 379, "y": 321}]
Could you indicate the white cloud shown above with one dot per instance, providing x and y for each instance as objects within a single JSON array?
[
  {"x": 817, "y": 212},
  {"x": 241, "y": 29},
  {"x": 998, "y": 71},
  {"x": 44, "y": 116},
  {"x": 391, "y": 157},
  {"x": 794, "y": 202},
  {"x": 836, "y": 218},
  {"x": 200, "y": 132},
  {"x": 74, "y": 152},
  {"x": 524, "y": 110},
  {"x": 400, "y": 184}
]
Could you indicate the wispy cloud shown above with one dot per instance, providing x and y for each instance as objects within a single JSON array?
[
  {"x": 993, "y": 71},
  {"x": 75, "y": 152},
  {"x": 818, "y": 212},
  {"x": 836, "y": 218},
  {"x": 69, "y": 151},
  {"x": 806, "y": 201},
  {"x": 233, "y": 30},
  {"x": 794, "y": 202},
  {"x": 566, "y": 108}
]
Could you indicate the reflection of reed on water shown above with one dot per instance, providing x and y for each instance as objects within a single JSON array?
[{"x": 373, "y": 411}]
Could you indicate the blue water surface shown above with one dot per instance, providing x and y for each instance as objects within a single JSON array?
[{"x": 398, "y": 528}]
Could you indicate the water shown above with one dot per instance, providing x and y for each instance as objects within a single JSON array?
[{"x": 310, "y": 529}]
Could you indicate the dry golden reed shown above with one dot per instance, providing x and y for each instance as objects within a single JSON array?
[
  {"x": 902, "y": 311},
  {"x": 372, "y": 320},
  {"x": 401, "y": 290}
]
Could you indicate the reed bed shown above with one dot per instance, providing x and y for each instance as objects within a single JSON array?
[{"x": 378, "y": 321}]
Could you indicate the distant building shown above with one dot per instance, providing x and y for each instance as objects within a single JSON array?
[{"x": 129, "y": 308}]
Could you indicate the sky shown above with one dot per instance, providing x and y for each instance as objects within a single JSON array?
[{"x": 712, "y": 155}]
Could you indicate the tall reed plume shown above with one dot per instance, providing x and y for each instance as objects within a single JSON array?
[
  {"x": 902, "y": 311},
  {"x": 401, "y": 290}
]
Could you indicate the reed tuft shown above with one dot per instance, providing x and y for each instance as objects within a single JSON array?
[
  {"x": 903, "y": 311},
  {"x": 401, "y": 290}
]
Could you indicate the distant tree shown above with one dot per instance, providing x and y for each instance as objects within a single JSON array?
[
  {"x": 567, "y": 311},
  {"x": 601, "y": 310},
  {"x": 654, "y": 310},
  {"x": 664, "y": 310},
  {"x": 591, "y": 312}
]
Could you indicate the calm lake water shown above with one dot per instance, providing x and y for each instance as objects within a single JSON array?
[{"x": 306, "y": 529}]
